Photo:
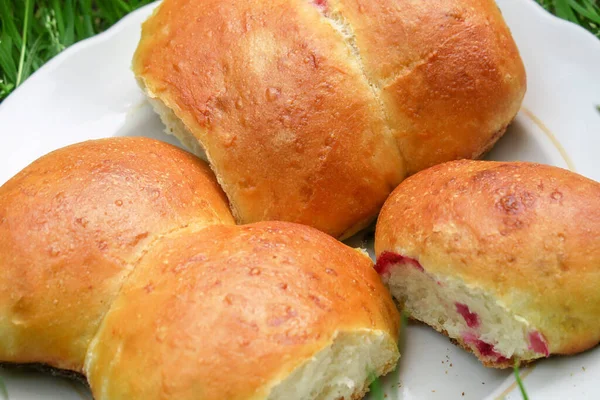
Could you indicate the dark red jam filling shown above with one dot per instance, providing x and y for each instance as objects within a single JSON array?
[
  {"x": 485, "y": 349},
  {"x": 387, "y": 259},
  {"x": 538, "y": 343},
  {"x": 471, "y": 318},
  {"x": 322, "y": 4}
]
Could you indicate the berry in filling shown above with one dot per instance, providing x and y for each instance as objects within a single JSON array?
[
  {"x": 387, "y": 259},
  {"x": 471, "y": 318}
]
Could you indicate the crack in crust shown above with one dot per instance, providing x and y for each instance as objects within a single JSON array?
[
  {"x": 410, "y": 67},
  {"x": 337, "y": 20}
]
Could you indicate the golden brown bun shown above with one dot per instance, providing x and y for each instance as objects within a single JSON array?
[
  {"x": 301, "y": 108},
  {"x": 72, "y": 226},
  {"x": 231, "y": 311},
  {"x": 522, "y": 237},
  {"x": 287, "y": 120}
]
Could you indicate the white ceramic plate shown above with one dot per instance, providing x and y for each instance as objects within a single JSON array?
[{"x": 88, "y": 92}]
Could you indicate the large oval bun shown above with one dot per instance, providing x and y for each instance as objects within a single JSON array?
[
  {"x": 312, "y": 112},
  {"x": 271, "y": 310}
]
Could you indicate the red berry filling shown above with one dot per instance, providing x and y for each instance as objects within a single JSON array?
[
  {"x": 538, "y": 343},
  {"x": 322, "y": 4},
  {"x": 388, "y": 258},
  {"x": 485, "y": 349},
  {"x": 471, "y": 318}
]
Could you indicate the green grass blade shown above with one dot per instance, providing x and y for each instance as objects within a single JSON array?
[
  {"x": 564, "y": 10},
  {"x": 520, "y": 382},
  {"x": 28, "y": 68},
  {"x": 88, "y": 27},
  {"x": 69, "y": 15},
  {"x": 376, "y": 388},
  {"x": 24, "y": 43},
  {"x": 592, "y": 7},
  {"x": 125, "y": 8},
  {"x": 109, "y": 13},
  {"x": 586, "y": 12},
  {"x": 8, "y": 22},
  {"x": 5, "y": 88},
  {"x": 7, "y": 61},
  {"x": 3, "y": 390}
]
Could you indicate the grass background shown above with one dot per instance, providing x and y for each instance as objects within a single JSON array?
[{"x": 34, "y": 31}]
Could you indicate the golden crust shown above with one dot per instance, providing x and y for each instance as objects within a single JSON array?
[
  {"x": 297, "y": 105},
  {"x": 527, "y": 233},
  {"x": 449, "y": 72},
  {"x": 287, "y": 119},
  {"x": 234, "y": 310},
  {"x": 73, "y": 224}
]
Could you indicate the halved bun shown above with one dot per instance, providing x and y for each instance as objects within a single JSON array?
[
  {"x": 504, "y": 258},
  {"x": 263, "y": 311}
]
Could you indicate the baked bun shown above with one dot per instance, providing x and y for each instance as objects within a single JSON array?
[
  {"x": 270, "y": 310},
  {"x": 504, "y": 258},
  {"x": 313, "y": 112},
  {"x": 120, "y": 260},
  {"x": 74, "y": 223}
]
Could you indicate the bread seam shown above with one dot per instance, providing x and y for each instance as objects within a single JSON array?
[
  {"x": 150, "y": 245},
  {"x": 130, "y": 268},
  {"x": 346, "y": 31},
  {"x": 411, "y": 66},
  {"x": 338, "y": 22}
]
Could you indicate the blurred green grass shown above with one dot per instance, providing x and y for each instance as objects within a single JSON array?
[{"x": 34, "y": 31}]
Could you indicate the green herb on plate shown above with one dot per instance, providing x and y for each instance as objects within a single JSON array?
[
  {"x": 376, "y": 388},
  {"x": 3, "y": 390},
  {"x": 520, "y": 382}
]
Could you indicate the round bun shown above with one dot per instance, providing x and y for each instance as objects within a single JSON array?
[
  {"x": 313, "y": 112},
  {"x": 504, "y": 258},
  {"x": 264, "y": 311},
  {"x": 72, "y": 226}
]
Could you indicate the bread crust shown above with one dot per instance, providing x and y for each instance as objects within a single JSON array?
[
  {"x": 450, "y": 73},
  {"x": 235, "y": 309},
  {"x": 529, "y": 234},
  {"x": 283, "y": 112},
  {"x": 72, "y": 226},
  {"x": 313, "y": 113}
]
